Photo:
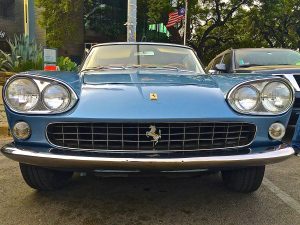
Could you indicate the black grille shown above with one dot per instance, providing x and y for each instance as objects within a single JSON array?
[
  {"x": 95, "y": 137},
  {"x": 297, "y": 103},
  {"x": 297, "y": 78}
]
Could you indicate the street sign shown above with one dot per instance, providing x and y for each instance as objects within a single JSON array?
[{"x": 50, "y": 59}]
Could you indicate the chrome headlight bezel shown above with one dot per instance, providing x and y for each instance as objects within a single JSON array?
[
  {"x": 59, "y": 109},
  {"x": 42, "y": 83},
  {"x": 8, "y": 102},
  {"x": 260, "y": 86},
  {"x": 238, "y": 105}
]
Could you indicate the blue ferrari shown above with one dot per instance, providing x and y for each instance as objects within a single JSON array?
[{"x": 140, "y": 107}]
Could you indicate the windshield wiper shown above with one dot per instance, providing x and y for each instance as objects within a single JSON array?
[
  {"x": 161, "y": 67},
  {"x": 165, "y": 68},
  {"x": 104, "y": 68},
  {"x": 125, "y": 67},
  {"x": 249, "y": 65}
]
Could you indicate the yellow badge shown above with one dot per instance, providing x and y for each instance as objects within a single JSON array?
[{"x": 153, "y": 96}]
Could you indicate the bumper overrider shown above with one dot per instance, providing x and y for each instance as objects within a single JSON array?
[{"x": 254, "y": 158}]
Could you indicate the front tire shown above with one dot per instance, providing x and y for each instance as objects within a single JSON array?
[
  {"x": 245, "y": 180},
  {"x": 44, "y": 179}
]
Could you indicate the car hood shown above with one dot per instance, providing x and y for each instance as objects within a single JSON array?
[
  {"x": 121, "y": 95},
  {"x": 273, "y": 69},
  {"x": 127, "y": 95}
]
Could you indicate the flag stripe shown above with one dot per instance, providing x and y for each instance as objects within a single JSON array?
[{"x": 174, "y": 18}]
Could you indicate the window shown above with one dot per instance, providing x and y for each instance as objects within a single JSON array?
[
  {"x": 266, "y": 57},
  {"x": 210, "y": 66},
  {"x": 227, "y": 62},
  {"x": 143, "y": 56},
  {"x": 7, "y": 9},
  {"x": 216, "y": 61}
]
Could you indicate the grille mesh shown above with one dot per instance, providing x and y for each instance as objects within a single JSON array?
[{"x": 99, "y": 137}]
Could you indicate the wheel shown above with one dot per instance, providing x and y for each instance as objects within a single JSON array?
[
  {"x": 244, "y": 180},
  {"x": 43, "y": 179}
]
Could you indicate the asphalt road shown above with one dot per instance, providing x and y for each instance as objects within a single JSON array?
[{"x": 151, "y": 200}]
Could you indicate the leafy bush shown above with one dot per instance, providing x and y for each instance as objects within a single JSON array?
[
  {"x": 66, "y": 64},
  {"x": 25, "y": 55}
]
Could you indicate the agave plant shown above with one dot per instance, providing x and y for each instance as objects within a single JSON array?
[{"x": 25, "y": 55}]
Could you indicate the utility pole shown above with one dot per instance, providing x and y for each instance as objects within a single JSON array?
[
  {"x": 29, "y": 19},
  {"x": 185, "y": 22},
  {"x": 131, "y": 20}
]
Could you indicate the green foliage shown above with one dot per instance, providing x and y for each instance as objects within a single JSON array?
[
  {"x": 277, "y": 22},
  {"x": 66, "y": 64},
  {"x": 217, "y": 25},
  {"x": 159, "y": 10},
  {"x": 58, "y": 20},
  {"x": 25, "y": 55},
  {"x": 213, "y": 25},
  {"x": 107, "y": 19}
]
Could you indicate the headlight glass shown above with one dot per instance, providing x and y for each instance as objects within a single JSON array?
[
  {"x": 276, "y": 97},
  {"x": 22, "y": 94},
  {"x": 56, "y": 97},
  {"x": 246, "y": 98}
]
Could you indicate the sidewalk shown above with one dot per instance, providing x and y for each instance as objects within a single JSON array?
[{"x": 4, "y": 131}]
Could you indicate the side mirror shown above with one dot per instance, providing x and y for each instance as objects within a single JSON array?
[
  {"x": 220, "y": 67},
  {"x": 212, "y": 71}
]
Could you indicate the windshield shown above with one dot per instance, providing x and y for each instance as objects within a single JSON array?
[
  {"x": 247, "y": 58},
  {"x": 142, "y": 56}
]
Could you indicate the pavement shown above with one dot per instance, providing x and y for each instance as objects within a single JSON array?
[{"x": 200, "y": 199}]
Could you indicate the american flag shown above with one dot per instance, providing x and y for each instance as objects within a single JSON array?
[{"x": 176, "y": 17}]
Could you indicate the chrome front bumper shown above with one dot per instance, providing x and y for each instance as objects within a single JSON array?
[{"x": 27, "y": 156}]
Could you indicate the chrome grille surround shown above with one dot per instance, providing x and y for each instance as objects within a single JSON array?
[{"x": 131, "y": 137}]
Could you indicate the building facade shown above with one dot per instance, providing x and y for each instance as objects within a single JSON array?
[
  {"x": 11, "y": 20},
  {"x": 15, "y": 16},
  {"x": 98, "y": 21}
]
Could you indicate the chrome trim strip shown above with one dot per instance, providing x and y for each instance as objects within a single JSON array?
[
  {"x": 9, "y": 81},
  {"x": 27, "y": 156},
  {"x": 141, "y": 43},
  {"x": 34, "y": 77},
  {"x": 131, "y": 151},
  {"x": 70, "y": 95}
]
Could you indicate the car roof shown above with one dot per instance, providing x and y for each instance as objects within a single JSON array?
[
  {"x": 263, "y": 49},
  {"x": 250, "y": 49},
  {"x": 142, "y": 43}
]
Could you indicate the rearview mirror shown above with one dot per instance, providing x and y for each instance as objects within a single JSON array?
[{"x": 220, "y": 67}]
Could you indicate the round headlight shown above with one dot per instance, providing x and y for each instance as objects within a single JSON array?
[
  {"x": 56, "y": 97},
  {"x": 245, "y": 98},
  {"x": 277, "y": 97},
  {"x": 22, "y": 94}
]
